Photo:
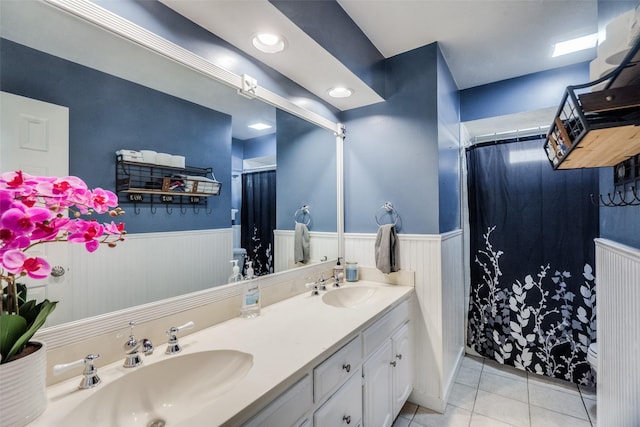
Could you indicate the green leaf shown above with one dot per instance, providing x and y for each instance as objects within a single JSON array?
[
  {"x": 12, "y": 327},
  {"x": 43, "y": 309}
]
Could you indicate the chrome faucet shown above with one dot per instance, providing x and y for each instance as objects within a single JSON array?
[
  {"x": 90, "y": 376},
  {"x": 132, "y": 349},
  {"x": 172, "y": 346},
  {"x": 321, "y": 284}
]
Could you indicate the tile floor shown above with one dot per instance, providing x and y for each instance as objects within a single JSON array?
[{"x": 486, "y": 394}]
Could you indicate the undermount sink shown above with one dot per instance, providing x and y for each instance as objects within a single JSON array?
[
  {"x": 165, "y": 392},
  {"x": 348, "y": 296}
]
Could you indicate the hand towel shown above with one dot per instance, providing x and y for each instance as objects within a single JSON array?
[
  {"x": 301, "y": 243},
  {"x": 387, "y": 249}
]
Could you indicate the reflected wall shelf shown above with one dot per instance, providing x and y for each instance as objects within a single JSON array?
[{"x": 145, "y": 183}]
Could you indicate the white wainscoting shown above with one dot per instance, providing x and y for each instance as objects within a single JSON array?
[
  {"x": 323, "y": 246},
  {"x": 618, "y": 334},
  {"x": 439, "y": 318},
  {"x": 145, "y": 267}
]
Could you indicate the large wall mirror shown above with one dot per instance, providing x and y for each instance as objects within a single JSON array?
[{"x": 121, "y": 95}]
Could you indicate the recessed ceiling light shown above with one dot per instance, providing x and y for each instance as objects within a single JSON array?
[
  {"x": 268, "y": 43},
  {"x": 260, "y": 126},
  {"x": 340, "y": 92},
  {"x": 575, "y": 45}
]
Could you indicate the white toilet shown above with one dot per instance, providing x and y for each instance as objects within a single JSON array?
[{"x": 592, "y": 356}]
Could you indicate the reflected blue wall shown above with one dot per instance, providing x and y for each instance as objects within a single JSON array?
[
  {"x": 306, "y": 158},
  {"x": 107, "y": 113}
]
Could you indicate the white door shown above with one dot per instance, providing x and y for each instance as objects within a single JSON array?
[
  {"x": 377, "y": 389},
  {"x": 402, "y": 384},
  {"x": 34, "y": 138}
]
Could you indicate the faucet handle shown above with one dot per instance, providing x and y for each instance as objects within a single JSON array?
[
  {"x": 90, "y": 373},
  {"x": 314, "y": 286},
  {"x": 172, "y": 346}
]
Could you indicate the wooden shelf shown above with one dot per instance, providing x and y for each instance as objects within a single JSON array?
[{"x": 598, "y": 129}]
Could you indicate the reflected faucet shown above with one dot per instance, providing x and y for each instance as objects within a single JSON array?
[
  {"x": 132, "y": 348},
  {"x": 321, "y": 284}
]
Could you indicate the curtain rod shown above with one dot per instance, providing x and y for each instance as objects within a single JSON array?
[{"x": 506, "y": 141}]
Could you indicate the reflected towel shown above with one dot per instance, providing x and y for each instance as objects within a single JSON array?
[
  {"x": 301, "y": 243},
  {"x": 387, "y": 249}
]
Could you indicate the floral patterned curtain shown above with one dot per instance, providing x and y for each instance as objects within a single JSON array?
[
  {"x": 258, "y": 218},
  {"x": 533, "y": 290}
]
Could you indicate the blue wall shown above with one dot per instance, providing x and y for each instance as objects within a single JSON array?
[
  {"x": 391, "y": 149},
  {"x": 448, "y": 148},
  {"x": 306, "y": 157},
  {"x": 107, "y": 113},
  {"x": 621, "y": 224},
  {"x": 520, "y": 94}
]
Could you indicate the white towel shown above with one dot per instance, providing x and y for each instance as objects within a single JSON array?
[
  {"x": 387, "y": 249},
  {"x": 301, "y": 243}
]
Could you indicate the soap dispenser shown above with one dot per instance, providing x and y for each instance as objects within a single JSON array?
[
  {"x": 235, "y": 275},
  {"x": 249, "y": 275},
  {"x": 250, "y": 295}
]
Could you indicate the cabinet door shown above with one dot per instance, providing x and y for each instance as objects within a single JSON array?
[
  {"x": 377, "y": 389},
  {"x": 401, "y": 355},
  {"x": 344, "y": 408}
]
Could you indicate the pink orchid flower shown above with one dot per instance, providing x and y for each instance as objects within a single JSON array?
[
  {"x": 32, "y": 212},
  {"x": 23, "y": 221},
  {"x": 16, "y": 262},
  {"x": 87, "y": 232},
  {"x": 102, "y": 200}
]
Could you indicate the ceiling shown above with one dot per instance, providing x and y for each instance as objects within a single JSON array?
[{"x": 483, "y": 41}]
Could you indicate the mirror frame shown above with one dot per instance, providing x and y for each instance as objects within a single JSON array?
[{"x": 80, "y": 330}]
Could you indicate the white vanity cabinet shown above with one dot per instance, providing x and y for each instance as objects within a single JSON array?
[
  {"x": 386, "y": 371},
  {"x": 288, "y": 409},
  {"x": 363, "y": 384}
]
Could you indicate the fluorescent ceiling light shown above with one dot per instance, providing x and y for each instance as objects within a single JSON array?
[
  {"x": 575, "y": 45},
  {"x": 268, "y": 43},
  {"x": 260, "y": 126},
  {"x": 340, "y": 92}
]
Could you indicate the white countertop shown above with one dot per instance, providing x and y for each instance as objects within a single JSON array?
[{"x": 286, "y": 340}]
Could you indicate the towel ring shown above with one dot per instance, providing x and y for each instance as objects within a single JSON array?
[
  {"x": 389, "y": 209},
  {"x": 301, "y": 213}
]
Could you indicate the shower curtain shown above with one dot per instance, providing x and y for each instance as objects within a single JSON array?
[
  {"x": 258, "y": 219},
  {"x": 532, "y": 301}
]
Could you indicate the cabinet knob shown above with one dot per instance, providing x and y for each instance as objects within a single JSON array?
[
  {"x": 347, "y": 367},
  {"x": 347, "y": 418},
  {"x": 393, "y": 363},
  {"x": 399, "y": 356}
]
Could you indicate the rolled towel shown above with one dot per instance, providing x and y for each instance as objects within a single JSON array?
[
  {"x": 301, "y": 243},
  {"x": 387, "y": 249}
]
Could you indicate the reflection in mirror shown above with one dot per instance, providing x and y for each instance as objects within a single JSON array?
[{"x": 122, "y": 96}]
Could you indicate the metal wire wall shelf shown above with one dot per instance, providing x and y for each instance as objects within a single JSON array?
[{"x": 159, "y": 185}]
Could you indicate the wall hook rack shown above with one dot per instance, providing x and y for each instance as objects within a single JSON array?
[{"x": 618, "y": 199}]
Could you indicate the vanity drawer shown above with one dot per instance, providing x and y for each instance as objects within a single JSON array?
[
  {"x": 343, "y": 408},
  {"x": 336, "y": 369},
  {"x": 380, "y": 331},
  {"x": 287, "y": 409}
]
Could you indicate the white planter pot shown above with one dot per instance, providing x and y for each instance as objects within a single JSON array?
[{"x": 23, "y": 387}]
